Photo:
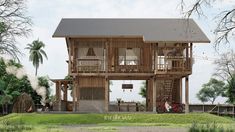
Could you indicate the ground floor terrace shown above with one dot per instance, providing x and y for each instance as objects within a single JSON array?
[{"x": 92, "y": 94}]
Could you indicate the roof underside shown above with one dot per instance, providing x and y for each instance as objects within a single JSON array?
[{"x": 152, "y": 30}]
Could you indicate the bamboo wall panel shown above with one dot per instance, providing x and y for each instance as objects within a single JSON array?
[{"x": 87, "y": 82}]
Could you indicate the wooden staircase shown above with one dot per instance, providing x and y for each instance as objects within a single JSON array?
[{"x": 167, "y": 89}]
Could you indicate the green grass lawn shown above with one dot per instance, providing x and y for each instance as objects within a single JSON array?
[{"x": 50, "y": 121}]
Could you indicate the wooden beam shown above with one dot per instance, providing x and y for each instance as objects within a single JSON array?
[
  {"x": 154, "y": 95},
  {"x": 187, "y": 57},
  {"x": 116, "y": 74},
  {"x": 181, "y": 90},
  {"x": 191, "y": 56},
  {"x": 156, "y": 58},
  {"x": 186, "y": 94},
  {"x": 69, "y": 46},
  {"x": 74, "y": 94},
  {"x": 65, "y": 91},
  {"x": 106, "y": 95},
  {"x": 59, "y": 96},
  {"x": 106, "y": 57},
  {"x": 77, "y": 94}
]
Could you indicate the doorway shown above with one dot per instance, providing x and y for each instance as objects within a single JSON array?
[{"x": 127, "y": 95}]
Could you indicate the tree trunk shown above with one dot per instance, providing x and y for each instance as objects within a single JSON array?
[
  {"x": 213, "y": 100},
  {"x": 36, "y": 71},
  {"x": 6, "y": 108},
  {"x": 3, "y": 109}
]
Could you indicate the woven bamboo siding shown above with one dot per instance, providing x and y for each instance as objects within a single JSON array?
[
  {"x": 176, "y": 91},
  {"x": 91, "y": 82}
]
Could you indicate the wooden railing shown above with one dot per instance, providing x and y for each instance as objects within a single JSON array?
[
  {"x": 90, "y": 65},
  {"x": 93, "y": 65},
  {"x": 174, "y": 64}
]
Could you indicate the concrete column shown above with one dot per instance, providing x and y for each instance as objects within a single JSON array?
[
  {"x": 186, "y": 94},
  {"x": 106, "y": 95},
  {"x": 154, "y": 95}
]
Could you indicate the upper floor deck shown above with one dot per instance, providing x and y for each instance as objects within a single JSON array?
[{"x": 128, "y": 55}]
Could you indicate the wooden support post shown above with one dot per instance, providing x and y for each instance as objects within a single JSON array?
[
  {"x": 59, "y": 96},
  {"x": 77, "y": 95},
  {"x": 106, "y": 100},
  {"x": 74, "y": 94},
  {"x": 186, "y": 94},
  {"x": 181, "y": 95},
  {"x": 154, "y": 95},
  {"x": 187, "y": 58},
  {"x": 65, "y": 91},
  {"x": 156, "y": 57},
  {"x": 191, "y": 56},
  {"x": 203, "y": 108},
  {"x": 70, "y": 55}
]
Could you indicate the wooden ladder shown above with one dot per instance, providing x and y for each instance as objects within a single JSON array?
[{"x": 168, "y": 87}]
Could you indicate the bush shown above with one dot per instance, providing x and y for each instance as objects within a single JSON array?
[
  {"x": 209, "y": 127},
  {"x": 17, "y": 126}
]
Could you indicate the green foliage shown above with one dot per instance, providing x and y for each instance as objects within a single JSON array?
[
  {"x": 143, "y": 90},
  {"x": 230, "y": 90},
  {"x": 211, "y": 90},
  {"x": 11, "y": 86},
  {"x": 2, "y": 27},
  {"x": 18, "y": 126},
  {"x": 208, "y": 127},
  {"x": 36, "y": 53}
]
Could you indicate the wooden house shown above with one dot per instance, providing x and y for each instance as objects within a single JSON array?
[{"x": 159, "y": 51}]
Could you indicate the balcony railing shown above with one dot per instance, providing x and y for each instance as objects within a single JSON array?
[
  {"x": 174, "y": 64},
  {"x": 90, "y": 65}
]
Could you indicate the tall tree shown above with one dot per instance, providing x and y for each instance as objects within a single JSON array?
[
  {"x": 36, "y": 53},
  {"x": 211, "y": 90},
  {"x": 13, "y": 23},
  {"x": 225, "y": 69},
  {"x": 225, "y": 65},
  {"x": 225, "y": 18},
  {"x": 230, "y": 90}
]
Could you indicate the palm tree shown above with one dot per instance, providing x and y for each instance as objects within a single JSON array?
[{"x": 36, "y": 53}]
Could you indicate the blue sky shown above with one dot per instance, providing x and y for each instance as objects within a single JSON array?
[{"x": 47, "y": 14}]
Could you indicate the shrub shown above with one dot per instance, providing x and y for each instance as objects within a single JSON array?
[
  {"x": 209, "y": 127},
  {"x": 9, "y": 126}
]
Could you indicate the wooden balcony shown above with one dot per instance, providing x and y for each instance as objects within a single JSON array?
[
  {"x": 90, "y": 65},
  {"x": 174, "y": 65}
]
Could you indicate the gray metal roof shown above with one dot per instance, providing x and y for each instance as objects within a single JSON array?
[{"x": 152, "y": 30}]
